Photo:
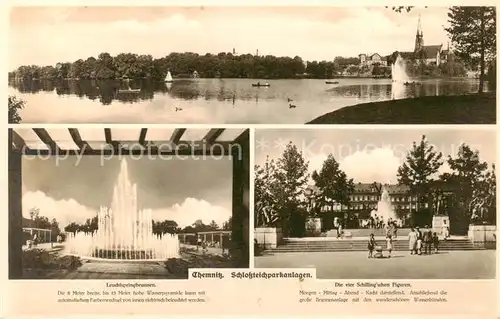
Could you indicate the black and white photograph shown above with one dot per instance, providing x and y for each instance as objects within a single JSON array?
[
  {"x": 127, "y": 203},
  {"x": 405, "y": 203},
  {"x": 252, "y": 65}
]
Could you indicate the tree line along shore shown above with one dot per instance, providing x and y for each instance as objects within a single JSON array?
[{"x": 223, "y": 65}]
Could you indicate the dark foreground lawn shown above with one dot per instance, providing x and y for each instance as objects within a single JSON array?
[
  {"x": 40, "y": 264},
  {"x": 459, "y": 109}
]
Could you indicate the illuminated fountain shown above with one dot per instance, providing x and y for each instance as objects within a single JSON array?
[
  {"x": 123, "y": 232},
  {"x": 384, "y": 207}
]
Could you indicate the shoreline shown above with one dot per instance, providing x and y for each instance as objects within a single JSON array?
[
  {"x": 229, "y": 78},
  {"x": 452, "y": 109}
]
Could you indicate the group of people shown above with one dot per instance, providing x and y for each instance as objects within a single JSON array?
[
  {"x": 426, "y": 239},
  {"x": 204, "y": 244},
  {"x": 372, "y": 246},
  {"x": 419, "y": 241}
]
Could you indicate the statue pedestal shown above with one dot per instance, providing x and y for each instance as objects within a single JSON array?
[
  {"x": 268, "y": 237},
  {"x": 482, "y": 233},
  {"x": 438, "y": 222}
]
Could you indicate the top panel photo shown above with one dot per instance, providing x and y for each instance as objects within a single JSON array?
[{"x": 252, "y": 65}]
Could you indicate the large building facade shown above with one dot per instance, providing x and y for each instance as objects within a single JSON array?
[{"x": 365, "y": 198}]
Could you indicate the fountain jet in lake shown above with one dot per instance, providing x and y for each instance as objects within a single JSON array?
[
  {"x": 398, "y": 71},
  {"x": 399, "y": 77},
  {"x": 123, "y": 232}
]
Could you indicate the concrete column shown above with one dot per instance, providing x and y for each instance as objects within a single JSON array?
[
  {"x": 15, "y": 212},
  {"x": 212, "y": 236}
]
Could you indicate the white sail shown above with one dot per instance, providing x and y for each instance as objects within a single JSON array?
[{"x": 168, "y": 78}]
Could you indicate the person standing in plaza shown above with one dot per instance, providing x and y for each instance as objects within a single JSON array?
[
  {"x": 412, "y": 241},
  {"x": 445, "y": 230},
  {"x": 435, "y": 241},
  {"x": 198, "y": 242},
  {"x": 389, "y": 244},
  {"x": 427, "y": 240},
  {"x": 371, "y": 245},
  {"x": 340, "y": 231},
  {"x": 419, "y": 241}
]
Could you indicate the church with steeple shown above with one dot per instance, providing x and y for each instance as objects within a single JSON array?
[{"x": 428, "y": 54}]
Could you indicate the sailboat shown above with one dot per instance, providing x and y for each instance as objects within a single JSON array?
[{"x": 168, "y": 78}]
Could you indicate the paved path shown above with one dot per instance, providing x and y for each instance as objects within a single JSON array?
[{"x": 477, "y": 264}]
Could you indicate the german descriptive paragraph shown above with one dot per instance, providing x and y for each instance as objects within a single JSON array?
[
  {"x": 372, "y": 292},
  {"x": 131, "y": 293}
]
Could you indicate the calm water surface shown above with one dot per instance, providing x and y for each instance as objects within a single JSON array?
[{"x": 221, "y": 101}]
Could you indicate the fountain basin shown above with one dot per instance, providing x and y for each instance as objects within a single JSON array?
[{"x": 117, "y": 260}]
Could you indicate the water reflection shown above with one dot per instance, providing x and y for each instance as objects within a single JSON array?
[
  {"x": 232, "y": 90},
  {"x": 397, "y": 90},
  {"x": 231, "y": 101}
]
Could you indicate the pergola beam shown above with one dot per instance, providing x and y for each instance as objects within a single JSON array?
[
  {"x": 44, "y": 136},
  {"x": 223, "y": 149},
  {"x": 212, "y": 135},
  {"x": 17, "y": 140},
  {"x": 109, "y": 139},
  {"x": 142, "y": 136},
  {"x": 75, "y": 135},
  {"x": 177, "y": 135}
]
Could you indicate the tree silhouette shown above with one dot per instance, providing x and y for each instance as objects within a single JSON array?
[
  {"x": 473, "y": 33},
  {"x": 333, "y": 184},
  {"x": 421, "y": 164}
]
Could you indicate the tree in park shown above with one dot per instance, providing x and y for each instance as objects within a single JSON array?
[
  {"x": 213, "y": 225},
  {"x": 468, "y": 170},
  {"x": 473, "y": 33},
  {"x": 483, "y": 202},
  {"x": 421, "y": 164},
  {"x": 15, "y": 105},
  {"x": 471, "y": 179},
  {"x": 265, "y": 187},
  {"x": 280, "y": 189},
  {"x": 228, "y": 224},
  {"x": 333, "y": 184},
  {"x": 470, "y": 182}
]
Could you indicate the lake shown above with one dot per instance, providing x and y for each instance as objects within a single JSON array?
[{"x": 215, "y": 101}]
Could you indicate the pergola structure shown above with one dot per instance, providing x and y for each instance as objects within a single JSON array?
[
  {"x": 44, "y": 235},
  {"x": 213, "y": 236},
  {"x": 131, "y": 141}
]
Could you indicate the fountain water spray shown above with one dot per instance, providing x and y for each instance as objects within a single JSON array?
[
  {"x": 124, "y": 232},
  {"x": 399, "y": 77},
  {"x": 398, "y": 71},
  {"x": 384, "y": 207}
]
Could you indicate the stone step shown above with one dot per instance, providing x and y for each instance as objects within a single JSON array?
[
  {"x": 321, "y": 245},
  {"x": 352, "y": 250},
  {"x": 364, "y": 243},
  {"x": 365, "y": 232},
  {"x": 332, "y": 249}
]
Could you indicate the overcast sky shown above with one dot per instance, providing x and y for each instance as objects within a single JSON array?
[
  {"x": 370, "y": 155},
  {"x": 180, "y": 190},
  {"x": 47, "y": 35}
]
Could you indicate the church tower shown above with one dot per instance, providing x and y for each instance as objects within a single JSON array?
[{"x": 419, "y": 38}]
